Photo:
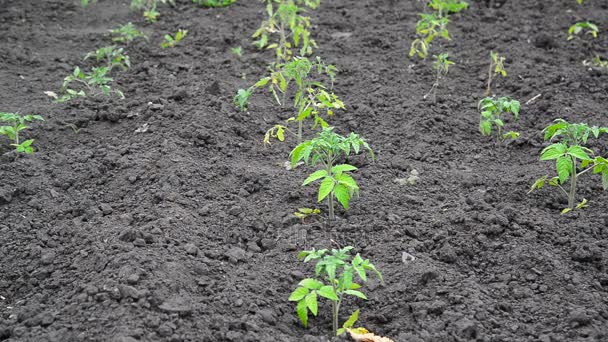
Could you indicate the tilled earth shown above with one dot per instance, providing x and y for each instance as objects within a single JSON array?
[{"x": 162, "y": 217}]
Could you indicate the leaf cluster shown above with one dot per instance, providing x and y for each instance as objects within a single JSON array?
[
  {"x": 285, "y": 18},
  {"x": 441, "y": 64},
  {"x": 448, "y": 6},
  {"x": 171, "y": 41},
  {"x": 15, "y": 124},
  {"x": 492, "y": 111},
  {"x": 428, "y": 28},
  {"x": 127, "y": 33},
  {"x": 335, "y": 275},
  {"x": 214, "y": 3},
  {"x": 149, "y": 7},
  {"x": 587, "y": 26}
]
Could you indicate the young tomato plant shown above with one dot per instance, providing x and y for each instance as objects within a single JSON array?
[
  {"x": 15, "y": 123},
  {"x": 327, "y": 148},
  {"x": 441, "y": 66},
  {"x": 581, "y": 26},
  {"x": 567, "y": 152},
  {"x": 126, "y": 33},
  {"x": 214, "y": 3},
  {"x": 285, "y": 19},
  {"x": 311, "y": 99},
  {"x": 111, "y": 56},
  {"x": 492, "y": 111},
  {"x": 334, "y": 278},
  {"x": 496, "y": 67},
  {"x": 150, "y": 8},
  {"x": 172, "y": 41},
  {"x": 428, "y": 28},
  {"x": 94, "y": 83},
  {"x": 445, "y": 7}
]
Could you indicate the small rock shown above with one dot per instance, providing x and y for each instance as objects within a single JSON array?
[
  {"x": 252, "y": 246},
  {"x": 128, "y": 292},
  {"x": 177, "y": 305},
  {"x": 466, "y": 329},
  {"x": 448, "y": 254},
  {"x": 236, "y": 254},
  {"x": 268, "y": 244},
  {"x": 166, "y": 329},
  {"x": 133, "y": 279},
  {"x": 139, "y": 242},
  {"x": 106, "y": 209},
  {"x": 268, "y": 316},
  {"x": 191, "y": 249},
  {"x": 406, "y": 257},
  {"x": 579, "y": 317},
  {"x": 47, "y": 258}
]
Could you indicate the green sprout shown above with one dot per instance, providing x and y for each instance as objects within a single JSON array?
[
  {"x": 285, "y": 19},
  {"x": 304, "y": 213},
  {"x": 16, "y": 124},
  {"x": 579, "y": 27},
  {"x": 150, "y": 8},
  {"x": 428, "y": 28},
  {"x": 214, "y": 3},
  {"x": 237, "y": 51},
  {"x": 111, "y": 56},
  {"x": 496, "y": 67},
  {"x": 567, "y": 152},
  {"x": 441, "y": 66},
  {"x": 334, "y": 278},
  {"x": 492, "y": 111},
  {"x": 127, "y": 33},
  {"x": 444, "y": 7},
  {"x": 171, "y": 41},
  {"x": 327, "y": 148},
  {"x": 311, "y": 99},
  {"x": 94, "y": 83},
  {"x": 86, "y": 3}
]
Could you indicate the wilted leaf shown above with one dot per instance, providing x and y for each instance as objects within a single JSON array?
[{"x": 362, "y": 335}]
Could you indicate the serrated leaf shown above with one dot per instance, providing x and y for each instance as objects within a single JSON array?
[
  {"x": 311, "y": 302},
  {"x": 327, "y": 185},
  {"x": 311, "y": 284},
  {"x": 564, "y": 168},
  {"x": 327, "y": 292},
  {"x": 315, "y": 176},
  {"x": 302, "y": 310},
  {"x": 342, "y": 168},
  {"x": 356, "y": 294},
  {"x": 298, "y": 294},
  {"x": 350, "y": 322},
  {"x": 342, "y": 195},
  {"x": 553, "y": 152}
]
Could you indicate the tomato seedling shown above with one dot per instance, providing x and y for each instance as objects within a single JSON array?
[
  {"x": 587, "y": 26},
  {"x": 336, "y": 182},
  {"x": 496, "y": 67},
  {"x": 111, "y": 56},
  {"x": 304, "y": 213},
  {"x": 445, "y": 7},
  {"x": 311, "y": 99},
  {"x": 127, "y": 33},
  {"x": 492, "y": 111},
  {"x": 171, "y": 41},
  {"x": 441, "y": 66},
  {"x": 334, "y": 278},
  {"x": 214, "y": 3},
  {"x": 428, "y": 28},
  {"x": 15, "y": 124},
  {"x": 567, "y": 152},
  {"x": 149, "y": 7},
  {"x": 285, "y": 19},
  {"x": 94, "y": 83}
]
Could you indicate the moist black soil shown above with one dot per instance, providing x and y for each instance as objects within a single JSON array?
[{"x": 162, "y": 217}]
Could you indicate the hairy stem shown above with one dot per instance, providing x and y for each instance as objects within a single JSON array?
[
  {"x": 489, "y": 87},
  {"x": 572, "y": 193}
]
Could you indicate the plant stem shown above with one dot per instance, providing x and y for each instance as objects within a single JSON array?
[
  {"x": 335, "y": 305},
  {"x": 489, "y": 89},
  {"x": 330, "y": 199},
  {"x": 572, "y": 194},
  {"x": 299, "y": 132}
]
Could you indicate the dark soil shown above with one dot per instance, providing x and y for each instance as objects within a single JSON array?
[{"x": 185, "y": 232}]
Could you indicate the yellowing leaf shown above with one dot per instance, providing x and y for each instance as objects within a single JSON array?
[{"x": 362, "y": 335}]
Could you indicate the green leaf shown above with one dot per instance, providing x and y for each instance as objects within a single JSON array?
[
  {"x": 347, "y": 180},
  {"x": 564, "y": 168},
  {"x": 314, "y": 176},
  {"x": 311, "y": 284},
  {"x": 298, "y": 294},
  {"x": 356, "y": 294},
  {"x": 350, "y": 322},
  {"x": 328, "y": 292},
  {"x": 327, "y": 185},
  {"x": 578, "y": 152},
  {"x": 342, "y": 194},
  {"x": 302, "y": 310},
  {"x": 553, "y": 151},
  {"x": 311, "y": 302},
  {"x": 485, "y": 127},
  {"x": 342, "y": 168}
]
